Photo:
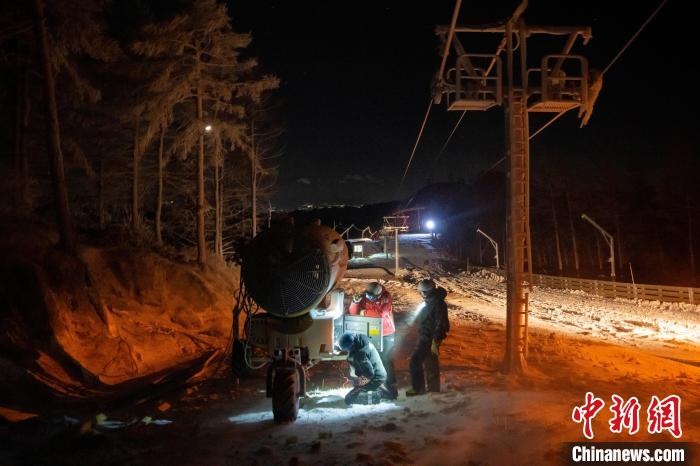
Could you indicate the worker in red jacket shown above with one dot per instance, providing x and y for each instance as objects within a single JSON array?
[{"x": 376, "y": 302}]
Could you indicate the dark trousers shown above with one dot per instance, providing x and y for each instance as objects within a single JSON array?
[
  {"x": 423, "y": 356},
  {"x": 355, "y": 395},
  {"x": 387, "y": 356}
]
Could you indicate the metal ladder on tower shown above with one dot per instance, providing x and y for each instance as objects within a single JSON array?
[{"x": 520, "y": 198}]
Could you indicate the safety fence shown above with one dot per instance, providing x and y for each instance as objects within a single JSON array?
[
  {"x": 608, "y": 289},
  {"x": 663, "y": 293}
]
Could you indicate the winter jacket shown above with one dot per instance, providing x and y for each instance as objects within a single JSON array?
[
  {"x": 382, "y": 307},
  {"x": 365, "y": 361},
  {"x": 433, "y": 322}
]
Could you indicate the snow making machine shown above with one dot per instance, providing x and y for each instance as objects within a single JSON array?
[{"x": 294, "y": 311}]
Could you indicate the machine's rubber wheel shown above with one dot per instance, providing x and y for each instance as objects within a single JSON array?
[
  {"x": 285, "y": 394},
  {"x": 239, "y": 368}
]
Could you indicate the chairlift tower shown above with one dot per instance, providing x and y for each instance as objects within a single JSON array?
[{"x": 478, "y": 82}]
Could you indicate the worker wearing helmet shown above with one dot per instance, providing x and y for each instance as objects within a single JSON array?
[
  {"x": 376, "y": 302},
  {"x": 366, "y": 370},
  {"x": 433, "y": 325}
]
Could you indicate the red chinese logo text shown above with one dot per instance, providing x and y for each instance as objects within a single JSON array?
[{"x": 661, "y": 415}]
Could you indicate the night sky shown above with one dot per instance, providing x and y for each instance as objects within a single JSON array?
[{"x": 356, "y": 82}]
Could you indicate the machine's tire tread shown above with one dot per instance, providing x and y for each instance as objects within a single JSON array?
[{"x": 285, "y": 395}]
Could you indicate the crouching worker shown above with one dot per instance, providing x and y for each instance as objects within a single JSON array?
[{"x": 366, "y": 370}]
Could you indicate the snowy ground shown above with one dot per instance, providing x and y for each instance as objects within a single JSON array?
[
  {"x": 577, "y": 343},
  {"x": 629, "y": 322}
]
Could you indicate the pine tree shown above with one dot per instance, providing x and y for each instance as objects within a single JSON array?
[
  {"x": 201, "y": 70},
  {"x": 62, "y": 34}
]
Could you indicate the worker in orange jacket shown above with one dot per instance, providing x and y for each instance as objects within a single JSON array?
[{"x": 376, "y": 302}]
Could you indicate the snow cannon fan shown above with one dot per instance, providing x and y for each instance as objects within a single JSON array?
[{"x": 289, "y": 270}]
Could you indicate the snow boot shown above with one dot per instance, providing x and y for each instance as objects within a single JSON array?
[
  {"x": 388, "y": 393},
  {"x": 412, "y": 392}
]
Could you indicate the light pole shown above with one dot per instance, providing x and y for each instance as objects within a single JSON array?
[
  {"x": 493, "y": 243},
  {"x": 608, "y": 239}
]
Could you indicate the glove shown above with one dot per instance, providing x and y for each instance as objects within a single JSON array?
[
  {"x": 356, "y": 298},
  {"x": 359, "y": 381},
  {"x": 435, "y": 347},
  {"x": 362, "y": 312}
]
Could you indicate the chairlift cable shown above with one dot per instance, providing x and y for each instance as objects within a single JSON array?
[
  {"x": 634, "y": 36},
  {"x": 500, "y": 48},
  {"x": 554, "y": 118},
  {"x": 415, "y": 146},
  {"x": 449, "y": 138},
  {"x": 542, "y": 128},
  {"x": 443, "y": 62},
  {"x": 612, "y": 62}
]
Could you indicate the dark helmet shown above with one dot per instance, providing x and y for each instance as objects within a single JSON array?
[
  {"x": 373, "y": 291},
  {"x": 346, "y": 341},
  {"x": 426, "y": 285}
]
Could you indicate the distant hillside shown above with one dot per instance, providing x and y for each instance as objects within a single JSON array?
[{"x": 342, "y": 217}]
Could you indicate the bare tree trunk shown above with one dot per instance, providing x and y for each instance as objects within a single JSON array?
[
  {"x": 201, "y": 235},
  {"x": 556, "y": 230},
  {"x": 101, "y": 193},
  {"x": 135, "y": 162},
  {"x": 221, "y": 207},
  {"x": 573, "y": 235},
  {"x": 159, "y": 196},
  {"x": 20, "y": 180},
  {"x": 254, "y": 182},
  {"x": 691, "y": 251},
  {"x": 24, "y": 159},
  {"x": 53, "y": 133},
  {"x": 217, "y": 212},
  {"x": 269, "y": 215}
]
